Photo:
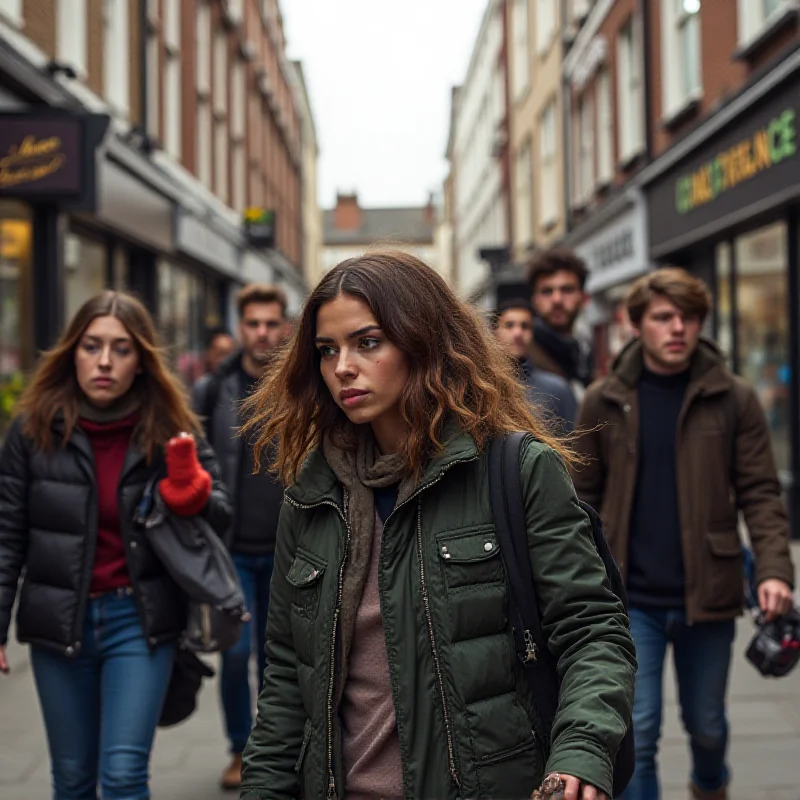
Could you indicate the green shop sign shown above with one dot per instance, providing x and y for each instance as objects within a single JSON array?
[{"x": 766, "y": 148}]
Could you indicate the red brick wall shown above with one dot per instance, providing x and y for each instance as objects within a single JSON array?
[
  {"x": 40, "y": 24},
  {"x": 722, "y": 74}
]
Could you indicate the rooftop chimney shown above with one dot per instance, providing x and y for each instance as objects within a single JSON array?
[{"x": 347, "y": 214}]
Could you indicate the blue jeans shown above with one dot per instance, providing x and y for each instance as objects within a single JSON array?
[
  {"x": 702, "y": 655},
  {"x": 101, "y": 708},
  {"x": 255, "y": 574}
]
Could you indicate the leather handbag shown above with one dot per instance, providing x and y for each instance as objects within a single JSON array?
[{"x": 198, "y": 561}]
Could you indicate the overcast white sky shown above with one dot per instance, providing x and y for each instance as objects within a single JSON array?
[{"x": 379, "y": 73}]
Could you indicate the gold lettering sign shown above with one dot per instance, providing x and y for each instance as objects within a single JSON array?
[{"x": 30, "y": 161}]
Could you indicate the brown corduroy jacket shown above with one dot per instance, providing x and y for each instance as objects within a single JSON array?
[{"x": 724, "y": 464}]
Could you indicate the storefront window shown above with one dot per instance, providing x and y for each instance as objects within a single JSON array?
[
  {"x": 120, "y": 266},
  {"x": 85, "y": 266},
  {"x": 724, "y": 311},
  {"x": 763, "y": 328},
  {"x": 16, "y": 335},
  {"x": 185, "y": 303}
]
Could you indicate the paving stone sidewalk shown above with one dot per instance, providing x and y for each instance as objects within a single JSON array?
[{"x": 187, "y": 761}]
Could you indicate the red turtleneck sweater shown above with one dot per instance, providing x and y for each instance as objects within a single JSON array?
[
  {"x": 185, "y": 493},
  {"x": 110, "y": 442}
]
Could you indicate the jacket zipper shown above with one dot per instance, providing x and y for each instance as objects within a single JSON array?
[
  {"x": 429, "y": 619},
  {"x": 337, "y": 609},
  {"x": 448, "y": 725}
]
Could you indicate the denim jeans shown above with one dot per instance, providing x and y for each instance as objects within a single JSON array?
[
  {"x": 702, "y": 656},
  {"x": 101, "y": 708},
  {"x": 255, "y": 574}
]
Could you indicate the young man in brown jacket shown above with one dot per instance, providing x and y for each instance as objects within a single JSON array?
[{"x": 677, "y": 445}]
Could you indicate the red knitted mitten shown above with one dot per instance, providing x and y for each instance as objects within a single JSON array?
[{"x": 187, "y": 487}]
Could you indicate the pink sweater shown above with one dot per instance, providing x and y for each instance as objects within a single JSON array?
[{"x": 370, "y": 747}]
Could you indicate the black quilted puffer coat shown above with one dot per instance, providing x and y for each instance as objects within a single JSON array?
[{"x": 48, "y": 527}]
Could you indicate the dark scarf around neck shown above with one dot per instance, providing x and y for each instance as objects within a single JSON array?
[
  {"x": 121, "y": 408},
  {"x": 563, "y": 348}
]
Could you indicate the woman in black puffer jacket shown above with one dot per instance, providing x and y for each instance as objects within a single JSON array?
[{"x": 99, "y": 417}]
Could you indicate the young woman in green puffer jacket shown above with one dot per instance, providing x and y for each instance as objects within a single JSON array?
[{"x": 392, "y": 670}]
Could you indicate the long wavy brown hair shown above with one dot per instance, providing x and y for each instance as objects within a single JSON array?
[
  {"x": 457, "y": 368},
  {"x": 53, "y": 390}
]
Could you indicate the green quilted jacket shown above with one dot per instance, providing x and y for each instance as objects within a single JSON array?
[{"x": 466, "y": 724}]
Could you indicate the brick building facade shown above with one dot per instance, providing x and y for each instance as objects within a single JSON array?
[{"x": 180, "y": 114}]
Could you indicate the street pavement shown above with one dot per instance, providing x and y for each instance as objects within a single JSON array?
[{"x": 187, "y": 760}]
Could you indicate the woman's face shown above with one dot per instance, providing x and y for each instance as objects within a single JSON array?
[
  {"x": 106, "y": 361},
  {"x": 364, "y": 372}
]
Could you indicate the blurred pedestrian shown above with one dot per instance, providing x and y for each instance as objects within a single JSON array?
[
  {"x": 546, "y": 391},
  {"x": 220, "y": 343},
  {"x": 100, "y": 612},
  {"x": 557, "y": 279},
  {"x": 390, "y": 670},
  {"x": 683, "y": 446},
  {"x": 256, "y": 497}
]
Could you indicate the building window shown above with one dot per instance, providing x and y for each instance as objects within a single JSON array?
[
  {"x": 522, "y": 55},
  {"x": 546, "y": 15},
  {"x": 221, "y": 115},
  {"x": 203, "y": 51},
  {"x": 755, "y": 15},
  {"x": 116, "y": 74},
  {"x": 11, "y": 10},
  {"x": 523, "y": 178},
  {"x": 153, "y": 84},
  {"x": 203, "y": 64},
  {"x": 680, "y": 53},
  {"x": 548, "y": 177},
  {"x": 630, "y": 105},
  {"x": 173, "y": 113},
  {"x": 605, "y": 129},
  {"x": 71, "y": 34},
  {"x": 584, "y": 150},
  {"x": 238, "y": 141}
]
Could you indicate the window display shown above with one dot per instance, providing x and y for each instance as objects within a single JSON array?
[
  {"x": 85, "y": 271},
  {"x": 762, "y": 291},
  {"x": 16, "y": 334}
]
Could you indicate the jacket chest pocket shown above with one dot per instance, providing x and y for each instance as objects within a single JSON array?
[
  {"x": 305, "y": 577},
  {"x": 470, "y": 558}
]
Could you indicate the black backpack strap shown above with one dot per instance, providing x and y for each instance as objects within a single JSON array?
[{"x": 508, "y": 510}]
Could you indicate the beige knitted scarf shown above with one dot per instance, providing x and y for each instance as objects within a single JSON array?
[{"x": 361, "y": 469}]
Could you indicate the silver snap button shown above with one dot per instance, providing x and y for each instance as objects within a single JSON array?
[
  {"x": 488, "y": 546},
  {"x": 77, "y": 646},
  {"x": 626, "y": 408},
  {"x": 444, "y": 549},
  {"x": 446, "y": 556},
  {"x": 133, "y": 545},
  {"x": 151, "y": 641},
  {"x": 70, "y": 650}
]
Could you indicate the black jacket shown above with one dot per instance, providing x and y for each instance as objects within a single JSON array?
[
  {"x": 48, "y": 525},
  {"x": 217, "y": 398}
]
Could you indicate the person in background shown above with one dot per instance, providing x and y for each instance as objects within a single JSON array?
[
  {"x": 256, "y": 498},
  {"x": 676, "y": 446},
  {"x": 100, "y": 416},
  {"x": 557, "y": 279},
  {"x": 514, "y": 322},
  {"x": 220, "y": 343},
  {"x": 391, "y": 674}
]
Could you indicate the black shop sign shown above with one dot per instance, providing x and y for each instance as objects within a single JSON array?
[
  {"x": 50, "y": 157},
  {"x": 752, "y": 160}
]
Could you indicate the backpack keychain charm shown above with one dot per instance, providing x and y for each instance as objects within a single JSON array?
[{"x": 552, "y": 788}]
